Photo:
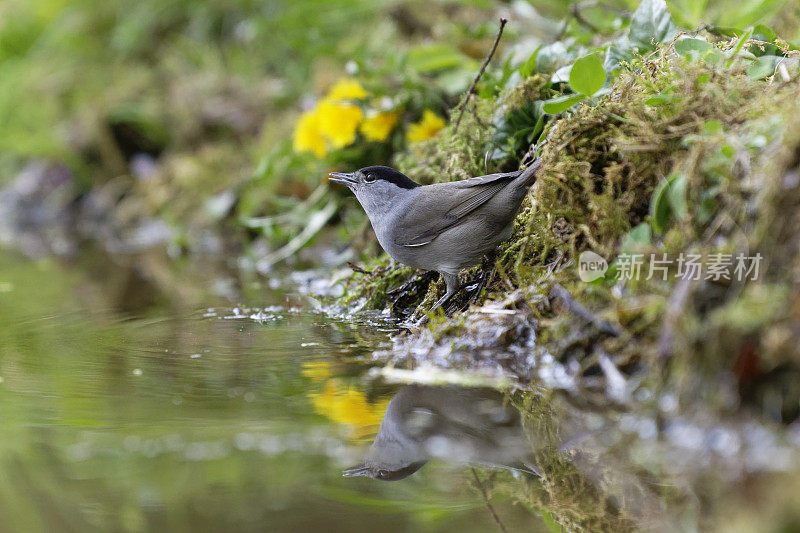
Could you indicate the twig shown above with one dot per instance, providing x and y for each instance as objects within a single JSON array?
[
  {"x": 486, "y": 499},
  {"x": 478, "y": 77},
  {"x": 406, "y": 284},
  {"x": 576, "y": 12},
  {"x": 355, "y": 268},
  {"x": 581, "y": 312}
]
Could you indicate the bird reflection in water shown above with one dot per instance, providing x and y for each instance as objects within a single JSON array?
[{"x": 460, "y": 425}]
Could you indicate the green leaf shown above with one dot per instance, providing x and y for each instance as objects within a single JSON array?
[
  {"x": 692, "y": 47},
  {"x": 558, "y": 104},
  {"x": 725, "y": 31},
  {"x": 764, "y": 33},
  {"x": 620, "y": 50},
  {"x": 554, "y": 55},
  {"x": 636, "y": 238},
  {"x": 688, "y": 13},
  {"x": 517, "y": 130},
  {"x": 651, "y": 22},
  {"x": 763, "y": 67},
  {"x": 438, "y": 57},
  {"x": 587, "y": 75},
  {"x": 746, "y": 35},
  {"x": 529, "y": 66},
  {"x": 713, "y": 58},
  {"x": 661, "y": 98},
  {"x": 660, "y": 210},
  {"x": 676, "y": 194}
]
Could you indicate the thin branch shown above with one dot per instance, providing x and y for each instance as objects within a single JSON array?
[
  {"x": 355, "y": 268},
  {"x": 576, "y": 12},
  {"x": 478, "y": 77},
  {"x": 576, "y": 309},
  {"x": 486, "y": 499}
]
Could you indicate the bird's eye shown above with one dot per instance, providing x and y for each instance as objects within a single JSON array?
[
  {"x": 383, "y": 474},
  {"x": 369, "y": 178}
]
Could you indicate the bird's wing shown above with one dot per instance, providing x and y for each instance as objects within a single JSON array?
[
  {"x": 431, "y": 214},
  {"x": 488, "y": 178}
]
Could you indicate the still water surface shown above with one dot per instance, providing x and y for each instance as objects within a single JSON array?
[{"x": 191, "y": 403}]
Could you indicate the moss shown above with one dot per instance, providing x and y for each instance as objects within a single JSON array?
[
  {"x": 736, "y": 142},
  {"x": 600, "y": 164},
  {"x": 721, "y": 346},
  {"x": 451, "y": 154},
  {"x": 565, "y": 491}
]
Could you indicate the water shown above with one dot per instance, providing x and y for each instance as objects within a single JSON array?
[
  {"x": 143, "y": 394},
  {"x": 140, "y": 397}
]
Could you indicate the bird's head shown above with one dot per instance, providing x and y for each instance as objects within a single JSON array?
[
  {"x": 383, "y": 472},
  {"x": 376, "y": 187}
]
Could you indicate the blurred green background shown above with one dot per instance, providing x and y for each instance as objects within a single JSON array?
[
  {"x": 182, "y": 112},
  {"x": 130, "y": 126}
]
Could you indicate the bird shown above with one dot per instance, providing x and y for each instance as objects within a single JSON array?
[
  {"x": 445, "y": 227},
  {"x": 462, "y": 425}
]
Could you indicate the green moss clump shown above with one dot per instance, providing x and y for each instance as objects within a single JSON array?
[
  {"x": 734, "y": 140},
  {"x": 451, "y": 154}
]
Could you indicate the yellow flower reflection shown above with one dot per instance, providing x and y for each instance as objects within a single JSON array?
[
  {"x": 426, "y": 128},
  {"x": 317, "y": 370},
  {"x": 307, "y": 135},
  {"x": 378, "y": 126},
  {"x": 343, "y": 404}
]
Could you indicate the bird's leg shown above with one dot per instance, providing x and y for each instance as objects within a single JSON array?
[{"x": 451, "y": 283}]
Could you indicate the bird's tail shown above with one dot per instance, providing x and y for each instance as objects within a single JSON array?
[{"x": 528, "y": 176}]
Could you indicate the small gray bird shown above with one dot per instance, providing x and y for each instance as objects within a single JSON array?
[
  {"x": 459, "y": 425},
  {"x": 445, "y": 227}
]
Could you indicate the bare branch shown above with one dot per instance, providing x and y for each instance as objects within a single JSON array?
[{"x": 478, "y": 77}]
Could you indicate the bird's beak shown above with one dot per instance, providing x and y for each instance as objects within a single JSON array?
[
  {"x": 353, "y": 471},
  {"x": 341, "y": 177}
]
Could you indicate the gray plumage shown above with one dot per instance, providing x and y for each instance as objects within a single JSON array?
[
  {"x": 460, "y": 425},
  {"x": 445, "y": 227}
]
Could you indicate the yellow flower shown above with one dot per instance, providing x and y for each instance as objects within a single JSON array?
[
  {"x": 346, "y": 89},
  {"x": 339, "y": 122},
  {"x": 426, "y": 128},
  {"x": 334, "y": 122},
  {"x": 378, "y": 126},
  {"x": 307, "y": 134}
]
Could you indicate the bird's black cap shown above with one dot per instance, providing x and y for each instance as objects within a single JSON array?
[{"x": 389, "y": 174}]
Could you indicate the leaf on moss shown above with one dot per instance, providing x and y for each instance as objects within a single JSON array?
[
  {"x": 651, "y": 22},
  {"x": 560, "y": 104},
  {"x": 587, "y": 75}
]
